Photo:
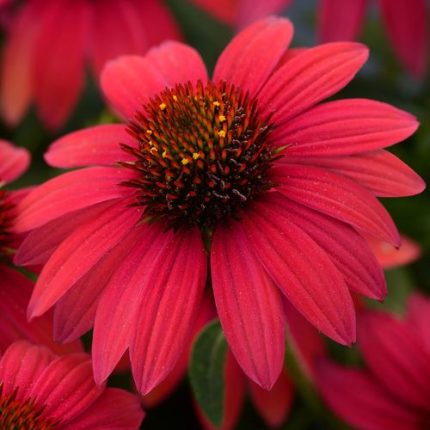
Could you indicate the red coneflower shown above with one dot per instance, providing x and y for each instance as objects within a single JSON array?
[
  {"x": 405, "y": 22},
  {"x": 392, "y": 391},
  {"x": 42, "y": 391},
  {"x": 37, "y": 68},
  {"x": 247, "y": 173}
]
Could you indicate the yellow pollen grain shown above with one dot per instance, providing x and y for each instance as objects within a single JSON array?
[
  {"x": 222, "y": 118},
  {"x": 216, "y": 103},
  {"x": 164, "y": 154},
  {"x": 222, "y": 133},
  {"x": 149, "y": 132},
  {"x": 196, "y": 155},
  {"x": 150, "y": 143},
  {"x": 175, "y": 98},
  {"x": 162, "y": 106},
  {"x": 153, "y": 150},
  {"x": 185, "y": 161}
]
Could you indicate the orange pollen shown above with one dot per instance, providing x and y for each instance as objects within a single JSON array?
[
  {"x": 202, "y": 154},
  {"x": 16, "y": 414}
]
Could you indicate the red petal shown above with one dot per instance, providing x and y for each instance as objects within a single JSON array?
[
  {"x": 345, "y": 127},
  {"x": 79, "y": 253},
  {"x": 14, "y": 161},
  {"x": 338, "y": 197},
  {"x": 98, "y": 145},
  {"x": 347, "y": 249},
  {"x": 69, "y": 192},
  {"x": 172, "y": 291},
  {"x": 309, "y": 78},
  {"x": 406, "y": 22},
  {"x": 341, "y": 19},
  {"x": 396, "y": 357},
  {"x": 59, "y": 78},
  {"x": 274, "y": 405},
  {"x": 303, "y": 271},
  {"x": 224, "y": 10},
  {"x": 418, "y": 317},
  {"x": 249, "y": 11},
  {"x": 249, "y": 306},
  {"x": 380, "y": 172},
  {"x": 251, "y": 57},
  {"x": 361, "y": 402}
]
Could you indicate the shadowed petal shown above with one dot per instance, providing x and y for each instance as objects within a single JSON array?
[{"x": 14, "y": 161}]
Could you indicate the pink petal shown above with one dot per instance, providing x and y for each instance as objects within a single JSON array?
[
  {"x": 116, "y": 29},
  {"x": 39, "y": 244},
  {"x": 359, "y": 400},
  {"x": 98, "y": 145},
  {"x": 16, "y": 80},
  {"x": 15, "y": 293},
  {"x": 338, "y": 197},
  {"x": 69, "y": 192},
  {"x": 178, "y": 62},
  {"x": 341, "y": 19},
  {"x": 58, "y": 78},
  {"x": 274, "y": 405},
  {"x": 117, "y": 311},
  {"x": 302, "y": 270},
  {"x": 309, "y": 78},
  {"x": 128, "y": 82},
  {"x": 249, "y": 306},
  {"x": 346, "y": 248},
  {"x": 66, "y": 387},
  {"x": 395, "y": 357},
  {"x": 379, "y": 171},
  {"x": 345, "y": 127},
  {"x": 20, "y": 366},
  {"x": 250, "y": 58},
  {"x": 77, "y": 255},
  {"x": 389, "y": 257},
  {"x": 114, "y": 409},
  {"x": 406, "y": 22},
  {"x": 249, "y": 11},
  {"x": 418, "y": 317},
  {"x": 14, "y": 161},
  {"x": 171, "y": 294}
]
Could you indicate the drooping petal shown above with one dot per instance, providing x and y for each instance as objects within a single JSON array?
[
  {"x": 406, "y": 23},
  {"x": 178, "y": 62},
  {"x": 380, "y": 172},
  {"x": 14, "y": 161},
  {"x": 345, "y": 127},
  {"x": 114, "y": 409},
  {"x": 66, "y": 387},
  {"x": 59, "y": 78},
  {"x": 348, "y": 250},
  {"x": 249, "y": 11},
  {"x": 359, "y": 400},
  {"x": 117, "y": 311},
  {"x": 79, "y": 253},
  {"x": 172, "y": 291},
  {"x": 69, "y": 192},
  {"x": 128, "y": 82},
  {"x": 338, "y": 197},
  {"x": 274, "y": 405},
  {"x": 395, "y": 357},
  {"x": 418, "y": 316},
  {"x": 224, "y": 10},
  {"x": 249, "y": 306},
  {"x": 302, "y": 270},
  {"x": 98, "y": 145},
  {"x": 310, "y": 77},
  {"x": 250, "y": 58},
  {"x": 340, "y": 19},
  {"x": 20, "y": 366}
]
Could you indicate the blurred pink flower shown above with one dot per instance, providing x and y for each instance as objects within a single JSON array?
[
  {"x": 248, "y": 169},
  {"x": 41, "y": 390},
  {"x": 392, "y": 392},
  {"x": 406, "y": 23},
  {"x": 50, "y": 42}
]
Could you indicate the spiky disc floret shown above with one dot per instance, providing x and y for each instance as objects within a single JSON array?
[
  {"x": 18, "y": 414},
  {"x": 202, "y": 153},
  {"x": 6, "y": 215}
]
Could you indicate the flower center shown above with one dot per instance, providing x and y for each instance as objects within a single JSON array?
[
  {"x": 5, "y": 221},
  {"x": 21, "y": 414},
  {"x": 202, "y": 154}
]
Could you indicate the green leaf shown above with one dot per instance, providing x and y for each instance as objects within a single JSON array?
[{"x": 206, "y": 371}]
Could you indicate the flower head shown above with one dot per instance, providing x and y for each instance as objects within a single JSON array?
[
  {"x": 246, "y": 171},
  {"x": 42, "y": 391}
]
